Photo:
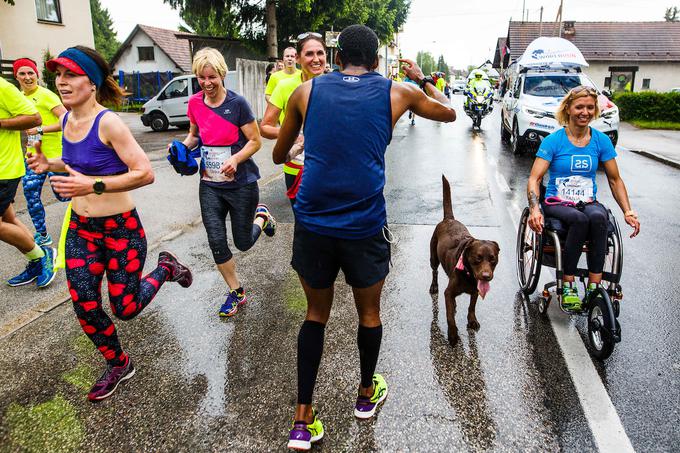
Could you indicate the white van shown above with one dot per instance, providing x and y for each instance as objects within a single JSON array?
[
  {"x": 169, "y": 106},
  {"x": 537, "y": 83},
  {"x": 529, "y": 105}
]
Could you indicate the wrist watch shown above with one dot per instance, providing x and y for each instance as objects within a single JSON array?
[
  {"x": 98, "y": 186},
  {"x": 425, "y": 81}
]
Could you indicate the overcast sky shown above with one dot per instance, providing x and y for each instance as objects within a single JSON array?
[{"x": 464, "y": 32}]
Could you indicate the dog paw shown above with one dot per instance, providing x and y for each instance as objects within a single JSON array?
[
  {"x": 434, "y": 288},
  {"x": 473, "y": 324},
  {"x": 453, "y": 338}
]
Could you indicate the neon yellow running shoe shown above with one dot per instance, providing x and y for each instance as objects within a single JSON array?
[
  {"x": 570, "y": 299},
  {"x": 303, "y": 435},
  {"x": 365, "y": 406}
]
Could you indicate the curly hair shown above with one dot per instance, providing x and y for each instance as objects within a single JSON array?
[
  {"x": 562, "y": 113},
  {"x": 358, "y": 45}
]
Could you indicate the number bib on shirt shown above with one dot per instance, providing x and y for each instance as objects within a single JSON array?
[
  {"x": 575, "y": 188},
  {"x": 213, "y": 158}
]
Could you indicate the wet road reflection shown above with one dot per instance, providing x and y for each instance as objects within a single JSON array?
[{"x": 461, "y": 379}]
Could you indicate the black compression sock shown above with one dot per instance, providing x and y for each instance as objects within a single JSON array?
[
  {"x": 368, "y": 340},
  {"x": 310, "y": 348}
]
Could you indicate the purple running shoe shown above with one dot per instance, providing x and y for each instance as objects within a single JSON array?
[{"x": 109, "y": 381}]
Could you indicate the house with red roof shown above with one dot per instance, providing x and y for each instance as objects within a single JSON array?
[
  {"x": 623, "y": 56},
  {"x": 151, "y": 49}
]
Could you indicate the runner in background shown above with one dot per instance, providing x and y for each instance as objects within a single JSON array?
[
  {"x": 49, "y": 134},
  {"x": 288, "y": 71},
  {"x": 16, "y": 114},
  {"x": 311, "y": 55}
]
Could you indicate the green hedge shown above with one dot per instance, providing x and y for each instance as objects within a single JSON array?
[{"x": 649, "y": 105}]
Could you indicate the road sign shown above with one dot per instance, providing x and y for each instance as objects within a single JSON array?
[{"x": 332, "y": 38}]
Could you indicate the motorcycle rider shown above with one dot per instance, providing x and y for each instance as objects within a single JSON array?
[{"x": 476, "y": 84}]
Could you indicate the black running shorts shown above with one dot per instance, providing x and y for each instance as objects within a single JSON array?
[
  {"x": 318, "y": 258},
  {"x": 8, "y": 190}
]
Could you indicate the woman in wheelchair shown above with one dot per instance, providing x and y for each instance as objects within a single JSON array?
[{"x": 571, "y": 155}]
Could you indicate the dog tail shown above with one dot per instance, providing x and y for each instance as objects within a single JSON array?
[{"x": 448, "y": 207}]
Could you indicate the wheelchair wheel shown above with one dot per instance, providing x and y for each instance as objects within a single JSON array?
[
  {"x": 598, "y": 327},
  {"x": 529, "y": 255}
]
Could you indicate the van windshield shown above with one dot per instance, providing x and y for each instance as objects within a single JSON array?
[{"x": 552, "y": 85}]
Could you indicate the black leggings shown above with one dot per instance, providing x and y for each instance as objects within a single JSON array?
[
  {"x": 240, "y": 204},
  {"x": 588, "y": 224}
]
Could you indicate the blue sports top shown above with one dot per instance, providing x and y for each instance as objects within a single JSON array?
[
  {"x": 348, "y": 126},
  {"x": 90, "y": 156},
  {"x": 569, "y": 163}
]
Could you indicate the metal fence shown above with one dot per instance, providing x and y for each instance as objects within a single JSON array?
[
  {"x": 251, "y": 83},
  {"x": 6, "y": 71},
  {"x": 142, "y": 86}
]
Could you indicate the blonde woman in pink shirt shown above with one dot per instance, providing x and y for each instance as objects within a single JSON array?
[{"x": 224, "y": 125}]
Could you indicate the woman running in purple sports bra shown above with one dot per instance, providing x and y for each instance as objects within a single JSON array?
[{"x": 104, "y": 163}]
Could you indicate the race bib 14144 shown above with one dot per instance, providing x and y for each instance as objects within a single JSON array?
[{"x": 575, "y": 188}]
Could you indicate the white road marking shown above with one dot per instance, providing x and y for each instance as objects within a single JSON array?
[
  {"x": 599, "y": 411},
  {"x": 604, "y": 422},
  {"x": 502, "y": 183}
]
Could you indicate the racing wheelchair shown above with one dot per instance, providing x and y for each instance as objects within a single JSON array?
[{"x": 602, "y": 307}]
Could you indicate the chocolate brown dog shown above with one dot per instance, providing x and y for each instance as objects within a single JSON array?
[{"x": 467, "y": 261}]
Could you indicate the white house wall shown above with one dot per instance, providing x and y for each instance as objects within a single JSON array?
[
  {"x": 21, "y": 35},
  {"x": 129, "y": 60},
  {"x": 663, "y": 76}
]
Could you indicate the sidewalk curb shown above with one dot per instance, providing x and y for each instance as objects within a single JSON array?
[
  {"x": 654, "y": 156},
  {"x": 26, "y": 318}
]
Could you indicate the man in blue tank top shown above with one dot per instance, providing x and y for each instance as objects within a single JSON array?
[{"x": 340, "y": 217}]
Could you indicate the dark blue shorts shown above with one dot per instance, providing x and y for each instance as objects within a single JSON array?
[{"x": 318, "y": 259}]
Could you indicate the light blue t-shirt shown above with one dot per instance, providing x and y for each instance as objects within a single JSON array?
[{"x": 572, "y": 169}]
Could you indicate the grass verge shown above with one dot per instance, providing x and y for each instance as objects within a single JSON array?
[{"x": 645, "y": 124}]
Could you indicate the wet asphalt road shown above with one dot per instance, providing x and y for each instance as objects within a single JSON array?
[{"x": 207, "y": 384}]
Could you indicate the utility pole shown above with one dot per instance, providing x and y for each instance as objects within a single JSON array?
[
  {"x": 558, "y": 21},
  {"x": 524, "y": 2},
  {"x": 540, "y": 24}
]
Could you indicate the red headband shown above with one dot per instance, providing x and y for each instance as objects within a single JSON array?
[{"x": 24, "y": 62}]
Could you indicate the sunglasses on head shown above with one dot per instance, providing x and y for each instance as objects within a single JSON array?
[
  {"x": 587, "y": 89},
  {"x": 307, "y": 34}
]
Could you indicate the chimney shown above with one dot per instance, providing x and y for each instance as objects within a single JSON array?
[{"x": 568, "y": 30}]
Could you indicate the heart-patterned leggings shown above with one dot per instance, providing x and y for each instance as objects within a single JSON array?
[{"x": 115, "y": 245}]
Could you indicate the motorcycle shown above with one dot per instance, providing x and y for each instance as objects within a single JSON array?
[{"x": 480, "y": 104}]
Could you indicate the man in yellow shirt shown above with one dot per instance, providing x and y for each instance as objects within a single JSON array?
[
  {"x": 16, "y": 114},
  {"x": 441, "y": 81},
  {"x": 289, "y": 71},
  {"x": 51, "y": 109}
]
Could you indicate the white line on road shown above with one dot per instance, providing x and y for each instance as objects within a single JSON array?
[
  {"x": 604, "y": 422},
  {"x": 598, "y": 409}
]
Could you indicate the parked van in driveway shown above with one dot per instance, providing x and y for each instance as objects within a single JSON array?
[{"x": 169, "y": 106}]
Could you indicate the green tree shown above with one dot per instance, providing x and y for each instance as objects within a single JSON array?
[
  {"x": 48, "y": 76},
  {"x": 672, "y": 14},
  {"x": 11, "y": 2},
  {"x": 442, "y": 66},
  {"x": 426, "y": 62},
  {"x": 269, "y": 24},
  {"x": 104, "y": 37}
]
